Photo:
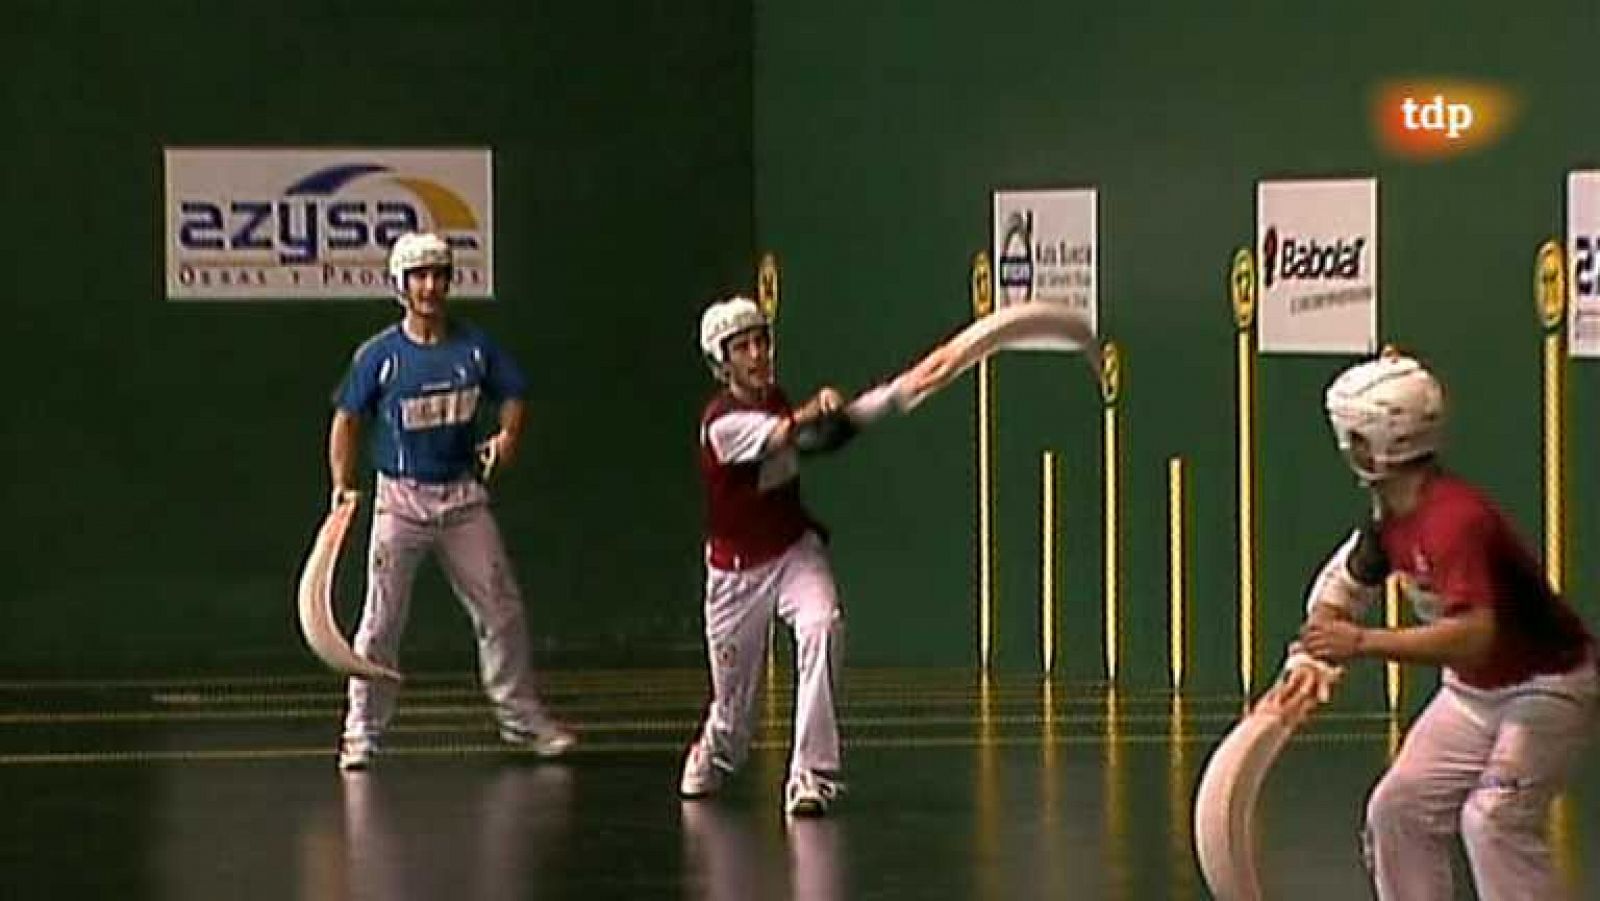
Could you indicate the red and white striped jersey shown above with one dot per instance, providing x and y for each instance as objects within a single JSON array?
[{"x": 752, "y": 496}]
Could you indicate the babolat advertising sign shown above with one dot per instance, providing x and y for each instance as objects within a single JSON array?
[
  {"x": 245, "y": 223},
  {"x": 1317, "y": 255},
  {"x": 1583, "y": 255}
]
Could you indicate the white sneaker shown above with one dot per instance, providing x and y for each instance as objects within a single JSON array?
[
  {"x": 702, "y": 775},
  {"x": 808, "y": 794},
  {"x": 355, "y": 754},
  {"x": 553, "y": 741}
]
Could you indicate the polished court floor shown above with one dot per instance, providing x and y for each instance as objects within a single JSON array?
[{"x": 1007, "y": 788}]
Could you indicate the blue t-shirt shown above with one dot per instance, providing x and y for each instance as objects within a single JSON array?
[{"x": 423, "y": 399}]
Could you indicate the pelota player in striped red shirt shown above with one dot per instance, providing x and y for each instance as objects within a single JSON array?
[
  {"x": 1519, "y": 695},
  {"x": 765, "y": 556}
]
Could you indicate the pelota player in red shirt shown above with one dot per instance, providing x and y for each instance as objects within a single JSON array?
[
  {"x": 766, "y": 556},
  {"x": 1517, "y": 700}
]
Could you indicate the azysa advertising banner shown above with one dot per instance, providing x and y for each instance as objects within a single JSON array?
[{"x": 314, "y": 223}]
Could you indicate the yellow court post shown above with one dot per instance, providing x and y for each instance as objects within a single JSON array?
[
  {"x": 767, "y": 299},
  {"x": 1177, "y": 630},
  {"x": 1048, "y": 532},
  {"x": 1243, "y": 287},
  {"x": 982, "y": 292},
  {"x": 1110, "y": 395},
  {"x": 1550, "y": 297},
  {"x": 1391, "y": 620},
  {"x": 1550, "y": 294}
]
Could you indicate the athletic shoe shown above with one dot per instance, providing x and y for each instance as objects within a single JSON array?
[
  {"x": 355, "y": 754},
  {"x": 553, "y": 741},
  {"x": 808, "y": 793},
  {"x": 702, "y": 774}
]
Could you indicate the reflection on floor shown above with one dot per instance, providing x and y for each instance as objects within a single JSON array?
[{"x": 959, "y": 787}]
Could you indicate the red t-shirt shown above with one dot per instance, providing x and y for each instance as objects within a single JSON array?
[
  {"x": 1456, "y": 551},
  {"x": 753, "y": 507}
]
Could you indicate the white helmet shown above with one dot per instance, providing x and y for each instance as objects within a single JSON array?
[
  {"x": 723, "y": 320},
  {"x": 1397, "y": 407},
  {"x": 417, "y": 250}
]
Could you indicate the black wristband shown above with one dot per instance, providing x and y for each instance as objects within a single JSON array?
[
  {"x": 824, "y": 434},
  {"x": 1368, "y": 564}
]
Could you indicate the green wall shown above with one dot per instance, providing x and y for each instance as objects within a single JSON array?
[
  {"x": 168, "y": 459},
  {"x": 880, "y": 132}
]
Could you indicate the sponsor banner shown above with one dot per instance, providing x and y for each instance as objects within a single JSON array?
[
  {"x": 1317, "y": 252},
  {"x": 1046, "y": 248},
  {"x": 1583, "y": 250},
  {"x": 301, "y": 223}
]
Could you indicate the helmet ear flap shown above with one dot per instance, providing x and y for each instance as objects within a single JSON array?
[{"x": 719, "y": 371}]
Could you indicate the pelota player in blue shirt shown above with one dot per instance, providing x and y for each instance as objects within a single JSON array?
[{"x": 419, "y": 384}]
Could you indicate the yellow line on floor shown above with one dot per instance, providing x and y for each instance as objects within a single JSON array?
[
  {"x": 69, "y": 758},
  {"x": 412, "y": 712}
]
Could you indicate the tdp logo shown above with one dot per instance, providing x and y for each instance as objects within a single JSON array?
[
  {"x": 1291, "y": 258},
  {"x": 309, "y": 220},
  {"x": 1429, "y": 119},
  {"x": 1451, "y": 118}
]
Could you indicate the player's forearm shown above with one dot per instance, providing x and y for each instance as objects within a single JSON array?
[
  {"x": 782, "y": 434},
  {"x": 1453, "y": 641},
  {"x": 501, "y": 448},
  {"x": 1351, "y": 580},
  {"x": 344, "y": 439},
  {"x": 874, "y": 404},
  {"x": 513, "y": 416}
]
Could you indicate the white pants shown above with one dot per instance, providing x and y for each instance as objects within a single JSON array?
[
  {"x": 411, "y": 519},
  {"x": 739, "y": 606},
  {"x": 1486, "y": 764}
]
